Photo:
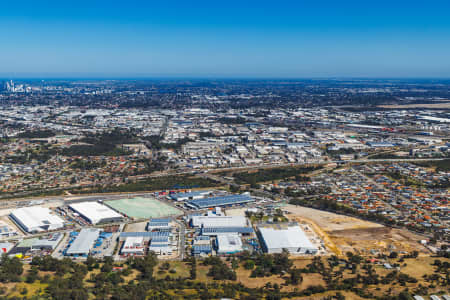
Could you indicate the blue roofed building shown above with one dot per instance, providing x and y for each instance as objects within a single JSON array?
[{"x": 220, "y": 201}]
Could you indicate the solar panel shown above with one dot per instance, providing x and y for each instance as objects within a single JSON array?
[
  {"x": 201, "y": 248},
  {"x": 160, "y": 220},
  {"x": 160, "y": 239},
  {"x": 220, "y": 201},
  {"x": 210, "y": 230},
  {"x": 158, "y": 224},
  {"x": 147, "y": 234}
]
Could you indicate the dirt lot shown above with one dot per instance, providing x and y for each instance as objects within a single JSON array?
[
  {"x": 443, "y": 105},
  {"x": 381, "y": 239},
  {"x": 236, "y": 212},
  {"x": 342, "y": 233},
  {"x": 136, "y": 227},
  {"x": 326, "y": 220}
]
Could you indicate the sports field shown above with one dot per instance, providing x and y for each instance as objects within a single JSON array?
[{"x": 143, "y": 208}]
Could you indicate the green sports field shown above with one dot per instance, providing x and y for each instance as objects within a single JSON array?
[{"x": 143, "y": 208}]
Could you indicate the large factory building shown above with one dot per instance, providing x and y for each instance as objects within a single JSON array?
[{"x": 275, "y": 238}]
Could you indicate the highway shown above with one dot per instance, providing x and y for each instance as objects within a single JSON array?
[{"x": 241, "y": 168}]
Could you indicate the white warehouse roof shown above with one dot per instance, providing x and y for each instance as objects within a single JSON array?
[
  {"x": 36, "y": 218},
  {"x": 219, "y": 221},
  {"x": 229, "y": 243},
  {"x": 133, "y": 245},
  {"x": 83, "y": 242},
  {"x": 291, "y": 238},
  {"x": 96, "y": 212}
]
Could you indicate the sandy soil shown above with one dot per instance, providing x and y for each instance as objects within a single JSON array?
[
  {"x": 382, "y": 239},
  {"x": 342, "y": 233},
  {"x": 136, "y": 227},
  {"x": 328, "y": 221},
  {"x": 235, "y": 212},
  {"x": 425, "y": 105}
]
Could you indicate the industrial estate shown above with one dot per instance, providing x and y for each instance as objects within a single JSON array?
[{"x": 242, "y": 190}]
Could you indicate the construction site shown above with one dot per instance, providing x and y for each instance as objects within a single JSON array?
[{"x": 342, "y": 234}]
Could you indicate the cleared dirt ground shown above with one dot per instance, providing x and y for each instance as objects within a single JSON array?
[
  {"x": 326, "y": 220},
  {"x": 443, "y": 105},
  {"x": 382, "y": 239},
  {"x": 236, "y": 212},
  {"x": 342, "y": 233},
  {"x": 136, "y": 227}
]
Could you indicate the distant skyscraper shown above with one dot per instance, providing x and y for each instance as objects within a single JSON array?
[{"x": 10, "y": 86}]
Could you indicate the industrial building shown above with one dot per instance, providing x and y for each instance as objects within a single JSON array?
[
  {"x": 219, "y": 201},
  {"x": 213, "y": 231},
  {"x": 159, "y": 224},
  {"x": 229, "y": 243},
  {"x": 275, "y": 238},
  {"x": 147, "y": 235},
  {"x": 189, "y": 196},
  {"x": 84, "y": 242},
  {"x": 5, "y": 247},
  {"x": 201, "y": 246},
  {"x": 6, "y": 230},
  {"x": 133, "y": 246},
  {"x": 160, "y": 245},
  {"x": 95, "y": 212},
  {"x": 36, "y": 219},
  {"x": 47, "y": 243},
  {"x": 219, "y": 221},
  {"x": 202, "y": 249}
]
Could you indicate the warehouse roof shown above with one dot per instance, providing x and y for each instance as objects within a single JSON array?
[
  {"x": 148, "y": 234},
  {"x": 201, "y": 248},
  {"x": 160, "y": 239},
  {"x": 229, "y": 243},
  {"x": 5, "y": 247},
  {"x": 219, "y": 201},
  {"x": 133, "y": 243},
  {"x": 160, "y": 220},
  {"x": 50, "y": 242},
  {"x": 84, "y": 241},
  {"x": 159, "y": 224},
  {"x": 219, "y": 221},
  {"x": 181, "y": 196},
  {"x": 95, "y": 212},
  {"x": 288, "y": 237},
  {"x": 158, "y": 246},
  {"x": 36, "y": 218},
  {"x": 221, "y": 230}
]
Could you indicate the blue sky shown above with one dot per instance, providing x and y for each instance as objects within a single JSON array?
[{"x": 192, "y": 38}]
